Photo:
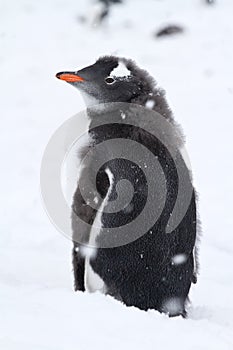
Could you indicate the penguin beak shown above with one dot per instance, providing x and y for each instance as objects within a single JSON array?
[{"x": 69, "y": 77}]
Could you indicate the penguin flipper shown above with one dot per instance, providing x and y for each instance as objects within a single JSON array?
[
  {"x": 80, "y": 236},
  {"x": 84, "y": 213},
  {"x": 78, "y": 262}
]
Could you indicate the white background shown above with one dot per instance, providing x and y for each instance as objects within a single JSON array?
[{"x": 38, "y": 308}]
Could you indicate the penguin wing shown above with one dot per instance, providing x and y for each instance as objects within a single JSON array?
[{"x": 91, "y": 191}]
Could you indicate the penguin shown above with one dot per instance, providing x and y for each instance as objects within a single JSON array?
[
  {"x": 101, "y": 9},
  {"x": 169, "y": 30},
  {"x": 154, "y": 270}
]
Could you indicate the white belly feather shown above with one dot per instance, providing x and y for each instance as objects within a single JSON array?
[{"x": 92, "y": 281}]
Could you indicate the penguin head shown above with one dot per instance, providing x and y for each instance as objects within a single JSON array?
[{"x": 109, "y": 79}]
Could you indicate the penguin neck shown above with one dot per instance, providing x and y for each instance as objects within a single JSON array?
[
  {"x": 89, "y": 100},
  {"x": 151, "y": 99},
  {"x": 155, "y": 100}
]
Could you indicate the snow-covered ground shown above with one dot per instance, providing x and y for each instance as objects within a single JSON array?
[{"x": 38, "y": 308}]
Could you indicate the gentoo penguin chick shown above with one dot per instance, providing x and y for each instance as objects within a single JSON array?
[{"x": 156, "y": 270}]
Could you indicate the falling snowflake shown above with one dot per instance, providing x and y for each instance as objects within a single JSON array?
[{"x": 179, "y": 259}]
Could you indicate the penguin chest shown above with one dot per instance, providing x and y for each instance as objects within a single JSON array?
[{"x": 93, "y": 282}]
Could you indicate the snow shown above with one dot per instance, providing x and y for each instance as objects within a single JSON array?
[
  {"x": 96, "y": 200},
  {"x": 88, "y": 251},
  {"x": 38, "y": 308},
  {"x": 179, "y": 259},
  {"x": 95, "y": 13},
  {"x": 150, "y": 104},
  {"x": 123, "y": 115}
]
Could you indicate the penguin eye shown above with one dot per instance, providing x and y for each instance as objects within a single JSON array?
[{"x": 110, "y": 80}]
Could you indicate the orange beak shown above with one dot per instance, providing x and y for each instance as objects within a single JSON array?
[{"x": 69, "y": 77}]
